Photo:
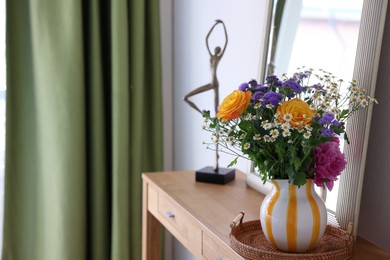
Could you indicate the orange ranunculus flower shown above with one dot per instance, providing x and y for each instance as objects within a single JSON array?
[
  {"x": 234, "y": 105},
  {"x": 295, "y": 111}
]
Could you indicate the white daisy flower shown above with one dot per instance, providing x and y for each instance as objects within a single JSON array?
[
  {"x": 257, "y": 105},
  {"x": 274, "y": 133},
  {"x": 257, "y": 137},
  {"x": 333, "y": 110},
  {"x": 246, "y": 146},
  {"x": 287, "y": 117},
  {"x": 267, "y": 138},
  {"x": 277, "y": 115},
  {"x": 229, "y": 139},
  {"x": 267, "y": 126},
  {"x": 286, "y": 133},
  {"x": 307, "y": 135},
  {"x": 308, "y": 127},
  {"x": 285, "y": 126},
  {"x": 248, "y": 116},
  {"x": 269, "y": 106}
]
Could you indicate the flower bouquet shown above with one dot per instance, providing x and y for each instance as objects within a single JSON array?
[{"x": 289, "y": 127}]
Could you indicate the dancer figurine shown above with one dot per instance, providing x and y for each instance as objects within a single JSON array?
[
  {"x": 214, "y": 84},
  {"x": 214, "y": 61}
]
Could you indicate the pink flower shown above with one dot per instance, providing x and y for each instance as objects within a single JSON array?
[{"x": 329, "y": 162}]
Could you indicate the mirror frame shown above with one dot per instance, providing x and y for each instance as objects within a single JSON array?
[{"x": 358, "y": 128}]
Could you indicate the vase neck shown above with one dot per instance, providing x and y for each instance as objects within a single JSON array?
[{"x": 284, "y": 187}]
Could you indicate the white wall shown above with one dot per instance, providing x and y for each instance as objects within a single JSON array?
[{"x": 192, "y": 19}]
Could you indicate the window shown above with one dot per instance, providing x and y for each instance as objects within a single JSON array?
[
  {"x": 365, "y": 69},
  {"x": 318, "y": 34}
]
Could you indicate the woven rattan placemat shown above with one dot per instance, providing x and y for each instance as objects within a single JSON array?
[{"x": 248, "y": 240}]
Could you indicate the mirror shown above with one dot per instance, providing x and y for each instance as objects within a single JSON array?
[{"x": 326, "y": 35}]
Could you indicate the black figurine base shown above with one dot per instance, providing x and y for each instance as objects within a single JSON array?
[{"x": 221, "y": 176}]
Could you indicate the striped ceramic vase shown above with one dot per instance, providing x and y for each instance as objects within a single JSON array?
[{"x": 293, "y": 219}]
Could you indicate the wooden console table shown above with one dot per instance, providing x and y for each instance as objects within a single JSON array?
[{"x": 199, "y": 214}]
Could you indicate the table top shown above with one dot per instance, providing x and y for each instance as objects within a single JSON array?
[{"x": 215, "y": 206}]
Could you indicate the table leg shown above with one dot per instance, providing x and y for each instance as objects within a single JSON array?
[{"x": 151, "y": 230}]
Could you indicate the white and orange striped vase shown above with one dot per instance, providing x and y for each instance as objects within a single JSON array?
[{"x": 293, "y": 219}]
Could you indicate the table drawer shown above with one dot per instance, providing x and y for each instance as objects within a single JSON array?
[
  {"x": 180, "y": 223},
  {"x": 212, "y": 250}
]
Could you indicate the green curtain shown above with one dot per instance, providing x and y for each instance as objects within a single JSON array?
[{"x": 84, "y": 121}]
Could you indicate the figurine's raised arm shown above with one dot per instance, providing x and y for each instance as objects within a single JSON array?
[
  {"x": 226, "y": 37},
  {"x": 219, "y": 53}
]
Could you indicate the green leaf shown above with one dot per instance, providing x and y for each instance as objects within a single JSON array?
[
  {"x": 299, "y": 178},
  {"x": 343, "y": 113},
  {"x": 280, "y": 151},
  {"x": 290, "y": 173},
  {"x": 234, "y": 162},
  {"x": 305, "y": 164},
  {"x": 246, "y": 126},
  {"x": 346, "y": 137},
  {"x": 307, "y": 150},
  {"x": 294, "y": 159},
  {"x": 206, "y": 114},
  {"x": 296, "y": 162}
]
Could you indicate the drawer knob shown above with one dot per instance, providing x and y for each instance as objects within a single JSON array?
[{"x": 169, "y": 214}]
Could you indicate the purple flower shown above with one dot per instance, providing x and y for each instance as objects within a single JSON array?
[
  {"x": 272, "y": 79},
  {"x": 243, "y": 87},
  {"x": 272, "y": 98},
  {"x": 329, "y": 162},
  {"x": 327, "y": 118},
  {"x": 257, "y": 95},
  {"x": 293, "y": 85},
  {"x": 327, "y": 132},
  {"x": 336, "y": 123},
  {"x": 301, "y": 75},
  {"x": 262, "y": 88},
  {"x": 252, "y": 83}
]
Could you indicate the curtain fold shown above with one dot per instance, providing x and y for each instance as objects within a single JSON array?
[{"x": 84, "y": 121}]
